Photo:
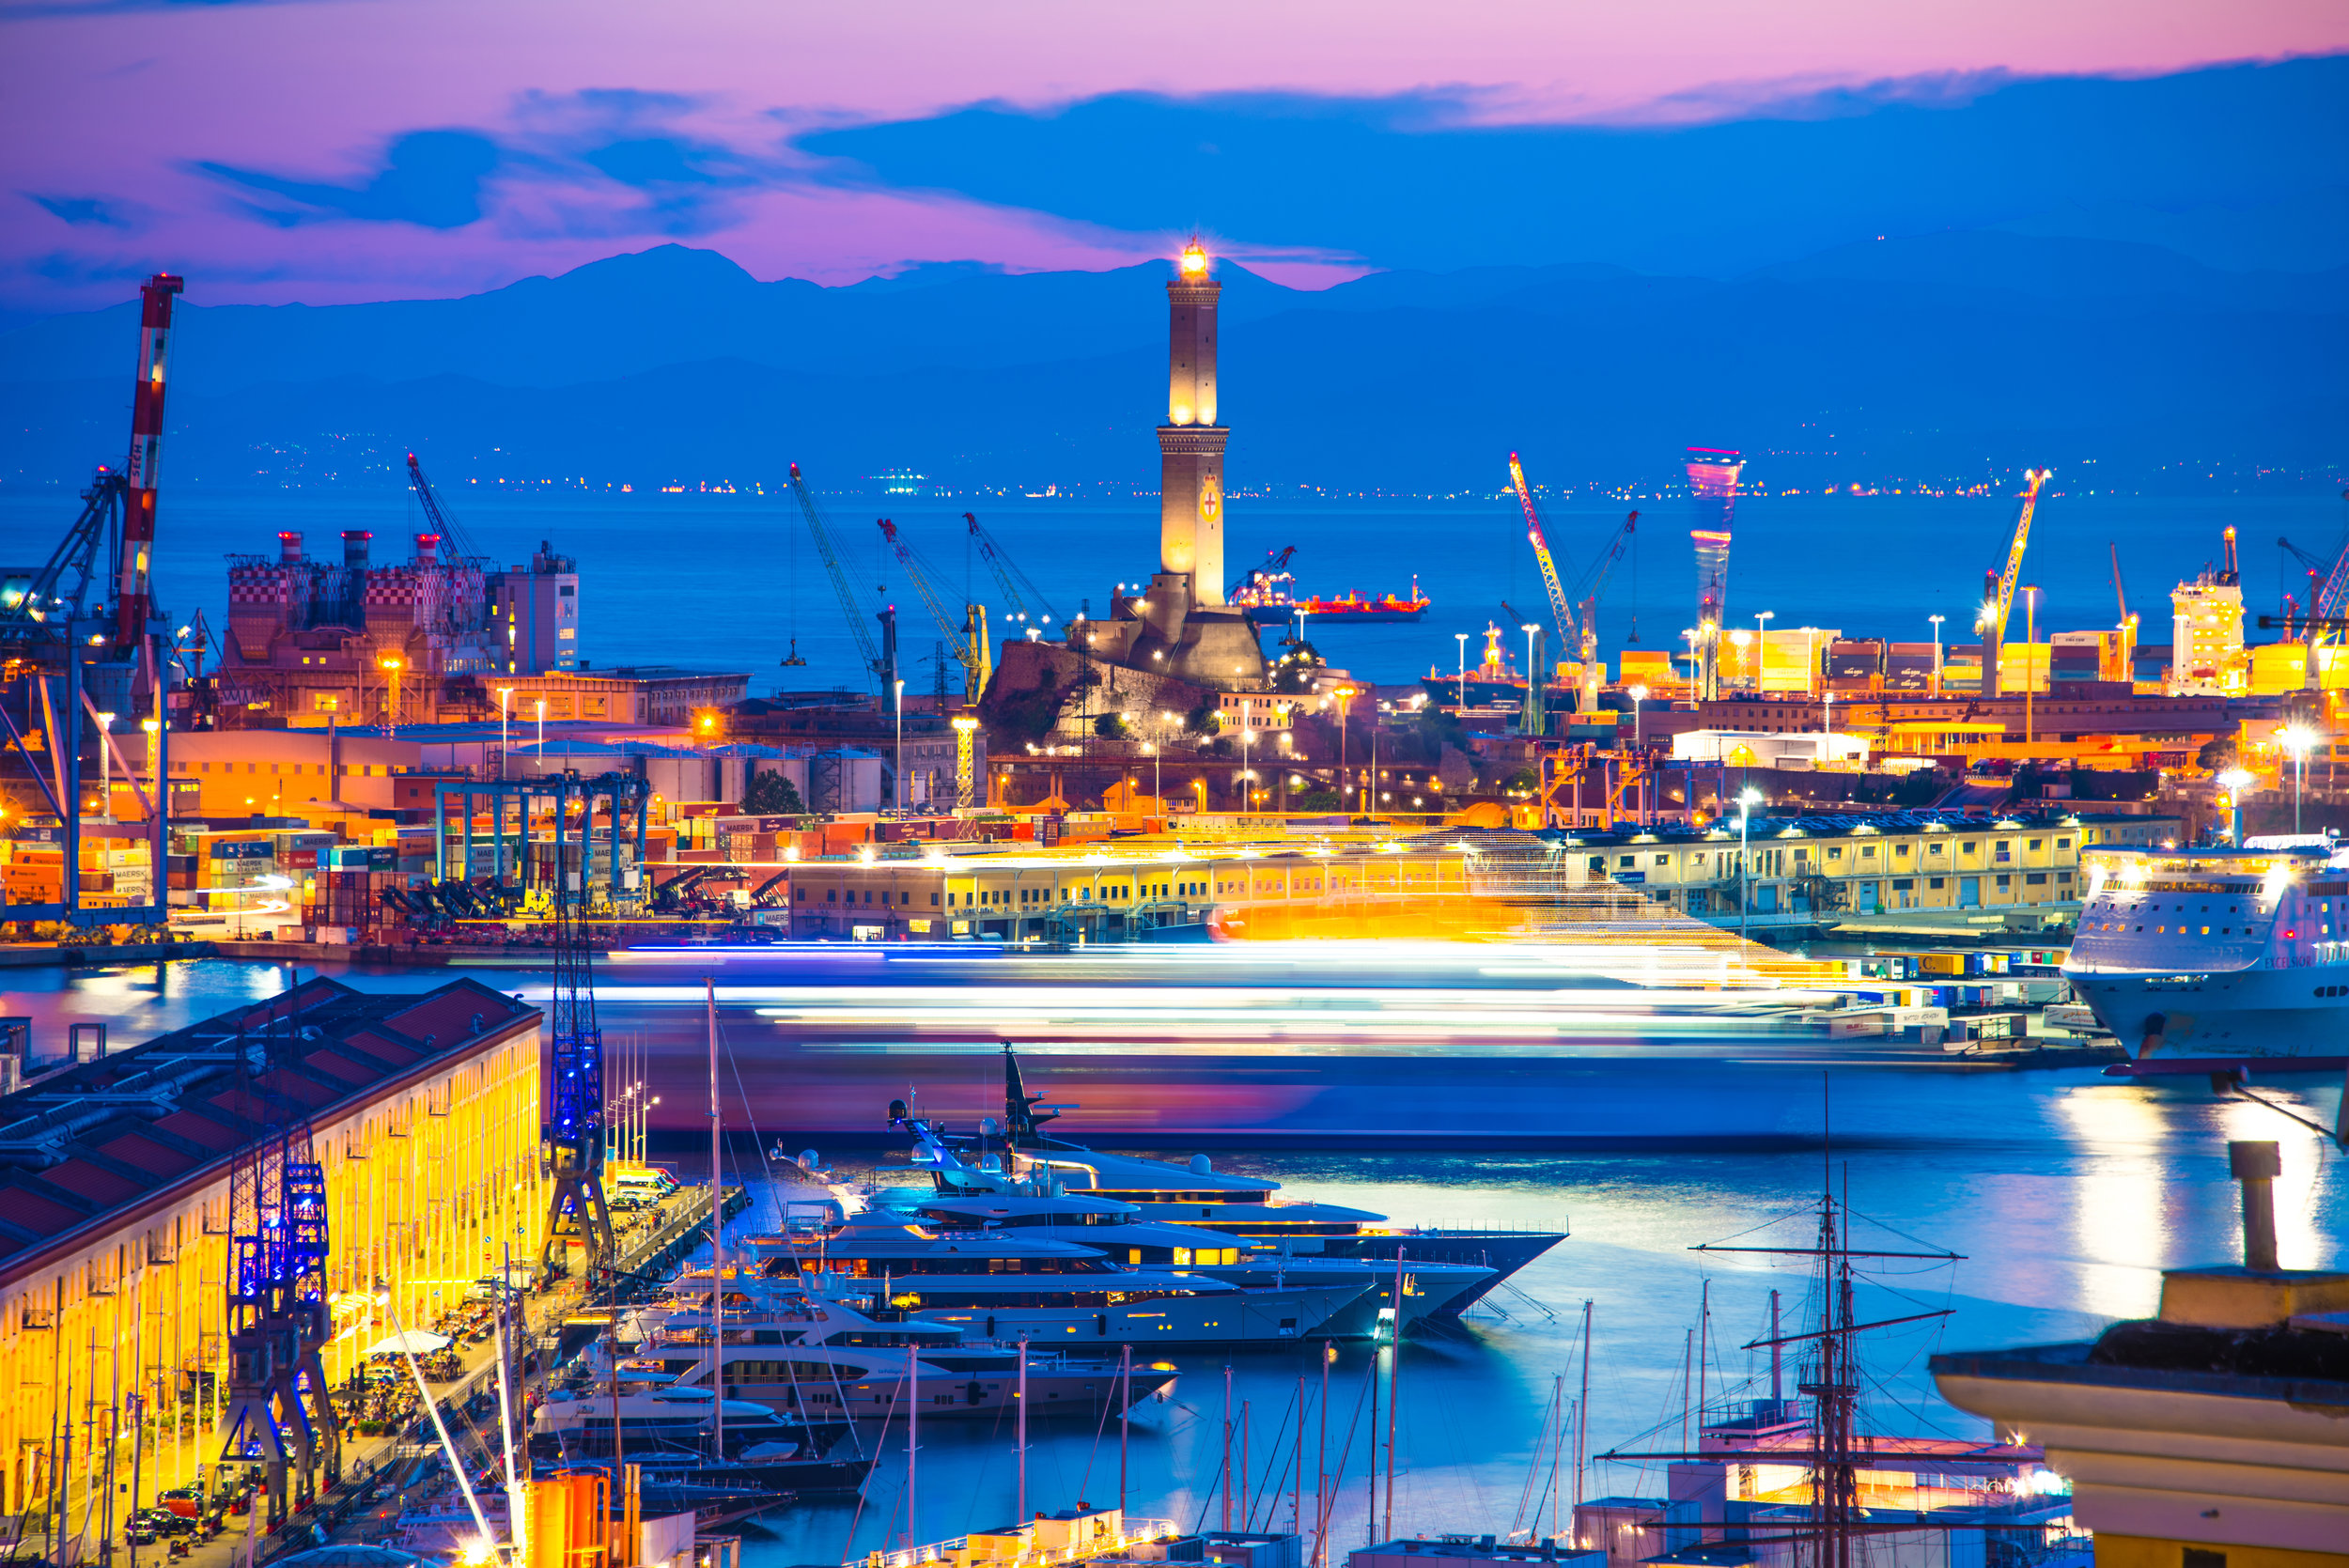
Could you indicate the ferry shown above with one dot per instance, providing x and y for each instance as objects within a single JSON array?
[{"x": 2218, "y": 953}]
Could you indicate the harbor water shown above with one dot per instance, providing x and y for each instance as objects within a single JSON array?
[{"x": 2065, "y": 1193}]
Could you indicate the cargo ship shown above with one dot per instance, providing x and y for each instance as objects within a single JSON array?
[{"x": 1267, "y": 595}]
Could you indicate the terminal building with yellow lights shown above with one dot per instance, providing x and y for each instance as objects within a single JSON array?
[{"x": 117, "y": 1217}]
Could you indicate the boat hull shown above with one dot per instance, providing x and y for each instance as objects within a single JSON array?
[
  {"x": 1275, "y": 615},
  {"x": 1503, "y": 1251},
  {"x": 2263, "y": 1012}
]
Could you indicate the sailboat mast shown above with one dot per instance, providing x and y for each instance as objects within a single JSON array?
[{"x": 717, "y": 1232}]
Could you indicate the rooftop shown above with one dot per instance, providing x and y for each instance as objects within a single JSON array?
[{"x": 81, "y": 1146}]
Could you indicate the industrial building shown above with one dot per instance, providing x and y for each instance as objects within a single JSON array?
[
  {"x": 1109, "y": 891},
  {"x": 1792, "y": 870},
  {"x": 128, "y": 1179}
]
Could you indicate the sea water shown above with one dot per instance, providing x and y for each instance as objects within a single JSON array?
[
  {"x": 2063, "y": 1193},
  {"x": 732, "y": 582}
]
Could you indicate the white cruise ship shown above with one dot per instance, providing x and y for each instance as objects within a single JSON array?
[{"x": 2218, "y": 953}]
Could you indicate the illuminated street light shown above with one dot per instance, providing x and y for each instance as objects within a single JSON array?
[
  {"x": 1748, "y": 799},
  {"x": 2296, "y": 740}
]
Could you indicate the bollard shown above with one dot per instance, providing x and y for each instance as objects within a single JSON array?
[{"x": 2257, "y": 1166}]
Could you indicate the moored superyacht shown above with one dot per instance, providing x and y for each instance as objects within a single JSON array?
[
  {"x": 2218, "y": 953},
  {"x": 1197, "y": 1196}
]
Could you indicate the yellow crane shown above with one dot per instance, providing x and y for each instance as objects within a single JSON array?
[
  {"x": 2000, "y": 604},
  {"x": 1561, "y": 611}
]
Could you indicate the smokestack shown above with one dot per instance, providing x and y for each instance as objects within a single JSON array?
[
  {"x": 428, "y": 549},
  {"x": 355, "y": 549},
  {"x": 289, "y": 549},
  {"x": 2257, "y": 1166}
]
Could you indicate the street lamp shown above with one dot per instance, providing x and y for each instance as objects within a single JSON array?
[
  {"x": 1762, "y": 643},
  {"x": 505, "y": 694},
  {"x": 542, "y": 731},
  {"x": 2297, "y": 741},
  {"x": 1937, "y": 621},
  {"x": 1157, "y": 785},
  {"x": 2234, "y": 781},
  {"x": 1747, "y": 799},
  {"x": 1638, "y": 695}
]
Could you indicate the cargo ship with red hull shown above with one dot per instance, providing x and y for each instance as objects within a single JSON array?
[{"x": 1269, "y": 600}]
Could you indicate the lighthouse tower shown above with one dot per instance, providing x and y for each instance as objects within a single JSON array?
[
  {"x": 1179, "y": 627},
  {"x": 1191, "y": 442}
]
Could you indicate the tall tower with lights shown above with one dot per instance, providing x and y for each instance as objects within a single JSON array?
[{"x": 1191, "y": 442}]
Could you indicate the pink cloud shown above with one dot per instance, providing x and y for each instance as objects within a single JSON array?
[{"x": 122, "y": 107}]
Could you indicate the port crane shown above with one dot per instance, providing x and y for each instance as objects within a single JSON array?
[
  {"x": 829, "y": 554},
  {"x": 2324, "y": 606},
  {"x": 443, "y": 520},
  {"x": 2000, "y": 602},
  {"x": 973, "y": 650},
  {"x": 1022, "y": 598},
  {"x": 1561, "y": 611},
  {"x": 572, "y": 1136},
  {"x": 276, "y": 1412},
  {"x": 81, "y": 640}
]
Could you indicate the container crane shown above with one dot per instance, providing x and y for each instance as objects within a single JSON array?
[
  {"x": 1022, "y": 598},
  {"x": 2000, "y": 602},
  {"x": 973, "y": 650},
  {"x": 572, "y": 1137},
  {"x": 1561, "y": 611},
  {"x": 875, "y": 666}
]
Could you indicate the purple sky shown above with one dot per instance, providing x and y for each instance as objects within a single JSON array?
[{"x": 285, "y": 152}]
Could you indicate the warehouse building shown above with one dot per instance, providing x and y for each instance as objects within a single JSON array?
[{"x": 117, "y": 1220}]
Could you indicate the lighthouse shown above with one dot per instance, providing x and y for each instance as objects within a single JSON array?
[
  {"x": 1191, "y": 442},
  {"x": 1178, "y": 626}
]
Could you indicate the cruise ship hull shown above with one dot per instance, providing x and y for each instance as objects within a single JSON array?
[{"x": 2264, "y": 1012}]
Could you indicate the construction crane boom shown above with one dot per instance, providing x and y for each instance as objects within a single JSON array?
[
  {"x": 829, "y": 556},
  {"x": 969, "y": 639},
  {"x": 1560, "y": 607},
  {"x": 2004, "y": 606},
  {"x": 443, "y": 522},
  {"x": 1021, "y": 597},
  {"x": 133, "y": 598}
]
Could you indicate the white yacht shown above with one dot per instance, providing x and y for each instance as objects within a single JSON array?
[
  {"x": 969, "y": 1199},
  {"x": 833, "y": 1353},
  {"x": 1005, "y": 1286},
  {"x": 1196, "y": 1195},
  {"x": 2218, "y": 953}
]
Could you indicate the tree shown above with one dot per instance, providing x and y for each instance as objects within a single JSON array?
[
  {"x": 1111, "y": 726},
  {"x": 1203, "y": 718},
  {"x": 772, "y": 794}
]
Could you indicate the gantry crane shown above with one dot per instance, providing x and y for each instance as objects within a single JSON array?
[
  {"x": 1561, "y": 611},
  {"x": 969, "y": 641},
  {"x": 277, "y": 1411},
  {"x": 1022, "y": 598},
  {"x": 573, "y": 1133},
  {"x": 2000, "y": 602},
  {"x": 876, "y": 666}
]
